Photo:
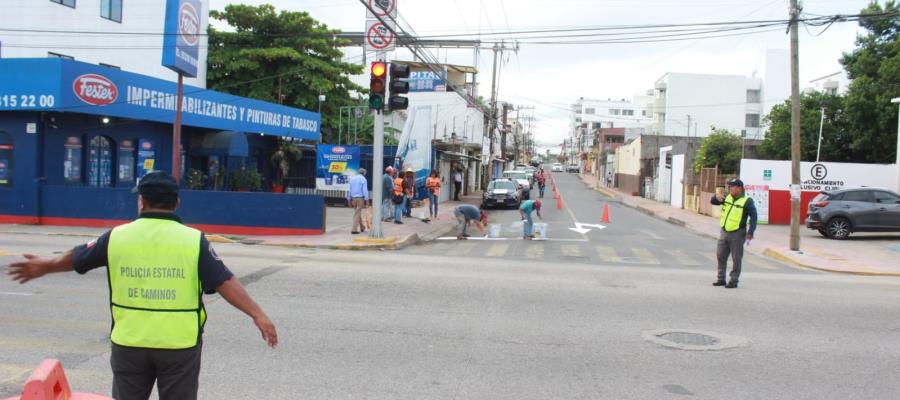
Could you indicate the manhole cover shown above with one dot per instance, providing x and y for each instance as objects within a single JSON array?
[{"x": 685, "y": 339}]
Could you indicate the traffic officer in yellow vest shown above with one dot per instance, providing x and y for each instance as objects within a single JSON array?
[
  {"x": 158, "y": 270},
  {"x": 737, "y": 208}
]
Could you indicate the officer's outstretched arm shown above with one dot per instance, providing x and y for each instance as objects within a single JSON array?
[
  {"x": 234, "y": 293},
  {"x": 36, "y": 267}
]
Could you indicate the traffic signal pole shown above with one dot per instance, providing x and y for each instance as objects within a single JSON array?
[{"x": 377, "y": 164}]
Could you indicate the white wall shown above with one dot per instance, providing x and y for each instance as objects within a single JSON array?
[
  {"x": 776, "y": 79},
  {"x": 450, "y": 113},
  {"x": 628, "y": 158},
  {"x": 710, "y": 100},
  {"x": 839, "y": 175},
  {"x": 141, "y": 54}
]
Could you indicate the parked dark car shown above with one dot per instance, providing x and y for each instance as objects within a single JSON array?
[
  {"x": 838, "y": 214},
  {"x": 502, "y": 193}
]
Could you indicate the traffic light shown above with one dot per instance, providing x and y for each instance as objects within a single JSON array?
[
  {"x": 398, "y": 87},
  {"x": 377, "y": 85}
]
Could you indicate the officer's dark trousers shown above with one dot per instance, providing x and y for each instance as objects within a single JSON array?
[
  {"x": 731, "y": 243},
  {"x": 176, "y": 373}
]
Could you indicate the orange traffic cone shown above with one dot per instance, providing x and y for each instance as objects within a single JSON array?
[
  {"x": 559, "y": 203},
  {"x": 605, "y": 217},
  {"x": 555, "y": 194},
  {"x": 49, "y": 382}
]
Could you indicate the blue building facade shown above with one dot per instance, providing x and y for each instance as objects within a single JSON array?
[{"x": 76, "y": 137}]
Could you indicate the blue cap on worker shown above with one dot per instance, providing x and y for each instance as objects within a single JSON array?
[
  {"x": 155, "y": 185},
  {"x": 736, "y": 182}
]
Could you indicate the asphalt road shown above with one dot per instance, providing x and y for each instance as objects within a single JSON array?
[
  {"x": 630, "y": 238},
  {"x": 431, "y": 322}
]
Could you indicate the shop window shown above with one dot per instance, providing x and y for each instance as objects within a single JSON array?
[
  {"x": 6, "y": 159},
  {"x": 70, "y": 3},
  {"x": 126, "y": 161},
  {"x": 111, "y": 10},
  {"x": 72, "y": 160},
  {"x": 100, "y": 162}
]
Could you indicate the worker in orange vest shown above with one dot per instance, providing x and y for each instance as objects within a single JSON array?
[{"x": 399, "y": 199}]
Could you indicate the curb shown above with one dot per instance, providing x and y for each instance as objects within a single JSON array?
[
  {"x": 785, "y": 258},
  {"x": 767, "y": 252}
]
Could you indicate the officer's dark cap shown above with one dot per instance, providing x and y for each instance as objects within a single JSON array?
[
  {"x": 736, "y": 182},
  {"x": 157, "y": 185}
]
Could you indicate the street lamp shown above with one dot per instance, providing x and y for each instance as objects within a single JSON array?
[
  {"x": 321, "y": 99},
  {"x": 896, "y": 100}
]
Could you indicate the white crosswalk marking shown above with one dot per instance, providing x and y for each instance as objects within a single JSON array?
[
  {"x": 534, "y": 250},
  {"x": 607, "y": 254},
  {"x": 644, "y": 256},
  {"x": 681, "y": 257},
  {"x": 497, "y": 250},
  {"x": 570, "y": 250}
]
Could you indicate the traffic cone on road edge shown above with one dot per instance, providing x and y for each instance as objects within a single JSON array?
[
  {"x": 49, "y": 382},
  {"x": 605, "y": 217},
  {"x": 559, "y": 203}
]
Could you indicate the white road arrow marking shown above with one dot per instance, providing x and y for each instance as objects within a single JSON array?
[{"x": 585, "y": 228}]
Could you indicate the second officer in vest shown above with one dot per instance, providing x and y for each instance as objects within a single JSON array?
[{"x": 737, "y": 209}]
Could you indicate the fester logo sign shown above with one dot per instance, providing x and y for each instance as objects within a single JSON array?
[
  {"x": 95, "y": 89},
  {"x": 188, "y": 24},
  {"x": 338, "y": 150}
]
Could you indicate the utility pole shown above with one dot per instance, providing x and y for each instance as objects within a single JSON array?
[
  {"x": 795, "y": 128},
  {"x": 491, "y": 120}
]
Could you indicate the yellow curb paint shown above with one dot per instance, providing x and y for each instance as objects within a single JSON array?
[
  {"x": 387, "y": 240},
  {"x": 218, "y": 239}
]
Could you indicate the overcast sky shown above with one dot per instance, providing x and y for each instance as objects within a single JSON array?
[{"x": 552, "y": 77}]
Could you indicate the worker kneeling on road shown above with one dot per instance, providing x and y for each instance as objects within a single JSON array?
[
  {"x": 467, "y": 214},
  {"x": 525, "y": 211},
  {"x": 158, "y": 269}
]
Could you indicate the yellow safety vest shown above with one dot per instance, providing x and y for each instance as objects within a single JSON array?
[
  {"x": 732, "y": 213},
  {"x": 154, "y": 285}
]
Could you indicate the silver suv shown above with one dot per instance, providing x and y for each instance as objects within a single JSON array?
[{"x": 838, "y": 214}]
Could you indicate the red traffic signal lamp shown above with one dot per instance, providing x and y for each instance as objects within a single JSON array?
[
  {"x": 377, "y": 85},
  {"x": 398, "y": 87}
]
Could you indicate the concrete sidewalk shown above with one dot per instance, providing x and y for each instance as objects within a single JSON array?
[
  {"x": 337, "y": 231},
  {"x": 861, "y": 254}
]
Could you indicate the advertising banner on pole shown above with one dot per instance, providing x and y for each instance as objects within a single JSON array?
[
  {"x": 760, "y": 196},
  {"x": 181, "y": 39},
  {"x": 335, "y": 164}
]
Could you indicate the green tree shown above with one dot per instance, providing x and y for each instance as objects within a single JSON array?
[
  {"x": 874, "y": 67},
  {"x": 285, "y": 54},
  {"x": 722, "y": 149},
  {"x": 836, "y": 142}
]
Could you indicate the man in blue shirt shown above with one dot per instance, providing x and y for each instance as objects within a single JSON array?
[
  {"x": 357, "y": 197},
  {"x": 525, "y": 211}
]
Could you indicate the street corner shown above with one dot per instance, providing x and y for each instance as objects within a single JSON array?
[{"x": 821, "y": 263}]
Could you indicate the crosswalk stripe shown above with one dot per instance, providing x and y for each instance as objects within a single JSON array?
[
  {"x": 682, "y": 258},
  {"x": 759, "y": 262},
  {"x": 464, "y": 248},
  {"x": 607, "y": 254},
  {"x": 497, "y": 250},
  {"x": 710, "y": 256},
  {"x": 644, "y": 255},
  {"x": 534, "y": 250},
  {"x": 570, "y": 250}
]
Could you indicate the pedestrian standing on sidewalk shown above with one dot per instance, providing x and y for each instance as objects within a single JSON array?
[
  {"x": 398, "y": 197},
  {"x": 525, "y": 211},
  {"x": 157, "y": 272},
  {"x": 433, "y": 184},
  {"x": 358, "y": 197},
  {"x": 468, "y": 214},
  {"x": 457, "y": 183},
  {"x": 737, "y": 209},
  {"x": 409, "y": 189},
  {"x": 387, "y": 191}
]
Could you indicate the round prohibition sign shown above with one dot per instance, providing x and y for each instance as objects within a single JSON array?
[
  {"x": 379, "y": 37},
  {"x": 383, "y": 8}
]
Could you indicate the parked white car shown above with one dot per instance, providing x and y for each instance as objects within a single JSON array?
[
  {"x": 522, "y": 180},
  {"x": 557, "y": 167}
]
